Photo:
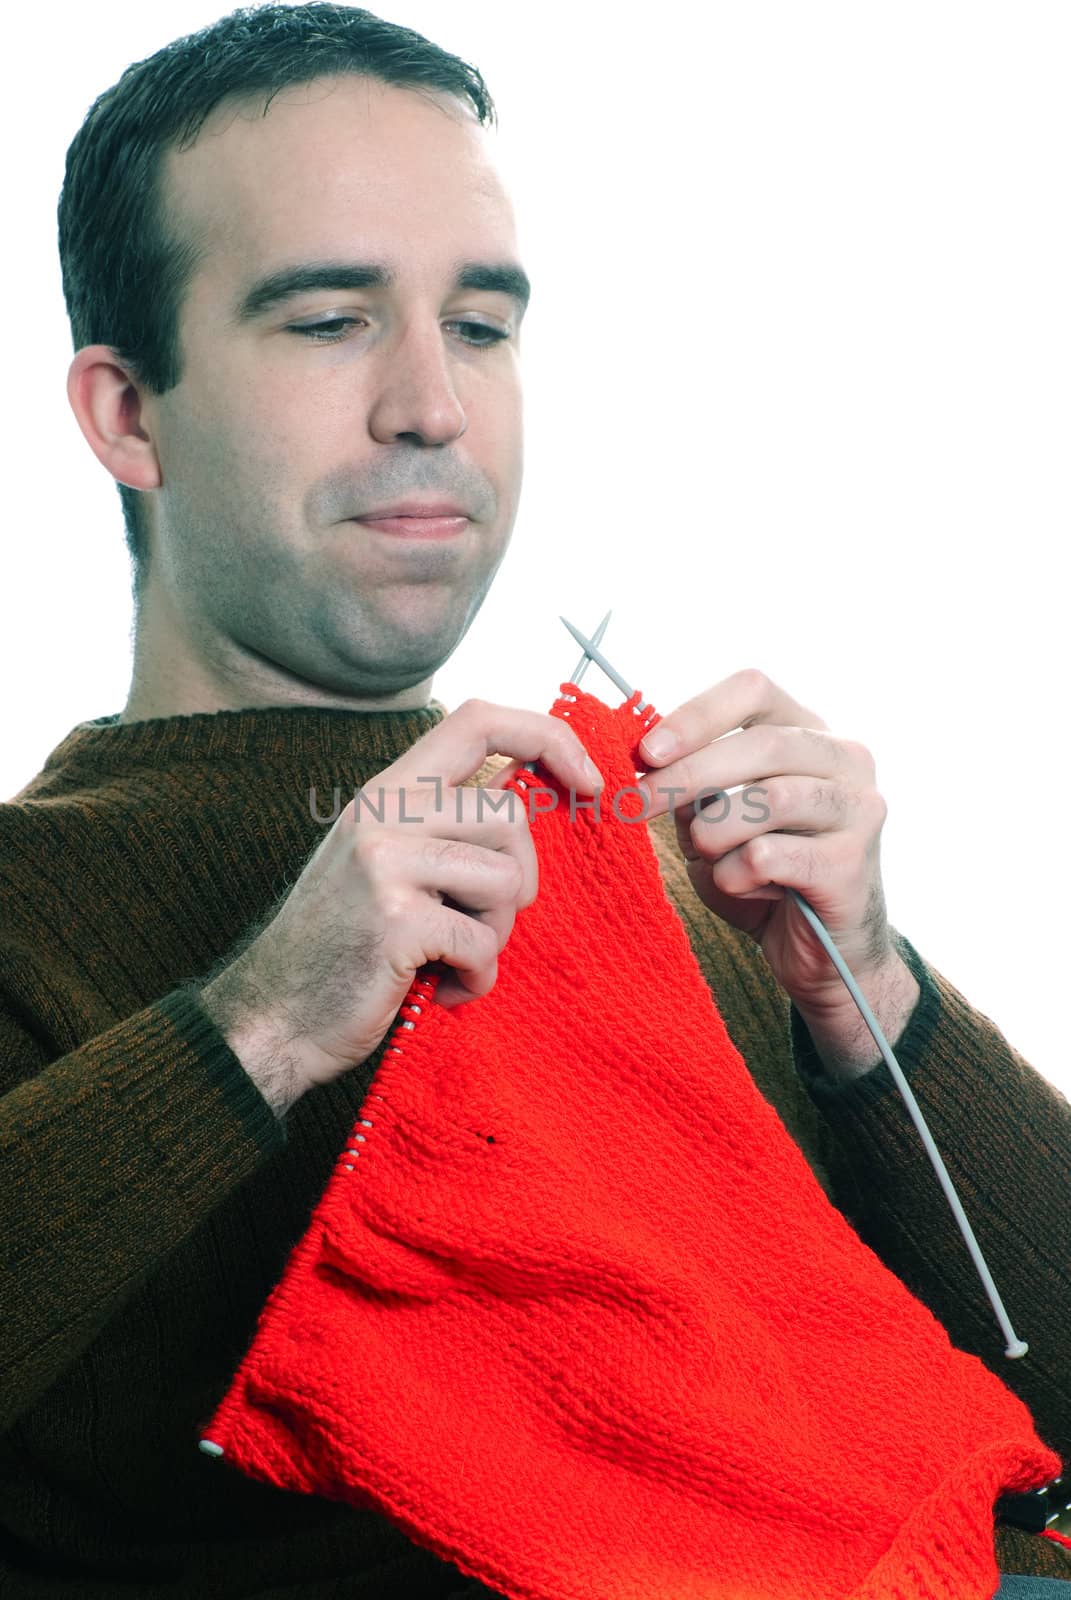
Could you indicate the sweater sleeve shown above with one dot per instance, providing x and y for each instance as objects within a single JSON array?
[
  {"x": 1004, "y": 1134},
  {"x": 110, "y": 1157}
]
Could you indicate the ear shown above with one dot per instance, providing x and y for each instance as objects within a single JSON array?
[{"x": 107, "y": 405}]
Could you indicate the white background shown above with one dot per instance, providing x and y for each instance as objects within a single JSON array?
[{"x": 798, "y": 377}]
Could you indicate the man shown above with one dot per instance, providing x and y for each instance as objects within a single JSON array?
[{"x": 296, "y": 298}]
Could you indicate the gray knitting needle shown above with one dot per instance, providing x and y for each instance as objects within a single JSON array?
[
  {"x": 581, "y": 668},
  {"x": 590, "y": 648},
  {"x": 585, "y": 660},
  {"x": 1015, "y": 1347}
]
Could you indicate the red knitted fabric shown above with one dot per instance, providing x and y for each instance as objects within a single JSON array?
[{"x": 575, "y": 1314}]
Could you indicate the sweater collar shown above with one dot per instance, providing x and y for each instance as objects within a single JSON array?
[{"x": 269, "y": 734}]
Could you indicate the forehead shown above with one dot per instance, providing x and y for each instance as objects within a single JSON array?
[{"x": 336, "y": 162}]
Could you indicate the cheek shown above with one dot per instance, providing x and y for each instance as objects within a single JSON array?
[
  {"x": 227, "y": 460},
  {"x": 283, "y": 437},
  {"x": 501, "y": 418},
  {"x": 273, "y": 414}
]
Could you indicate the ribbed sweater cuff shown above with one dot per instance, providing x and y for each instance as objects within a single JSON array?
[
  {"x": 910, "y": 1049},
  {"x": 204, "y": 1083}
]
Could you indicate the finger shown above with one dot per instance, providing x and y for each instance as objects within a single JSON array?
[
  {"x": 462, "y": 742},
  {"x": 473, "y": 882},
  {"x": 480, "y": 879},
  {"x": 467, "y": 946},
  {"x": 744, "y": 700},
  {"x": 752, "y": 758},
  {"x": 499, "y": 922},
  {"x": 786, "y": 861},
  {"x": 453, "y": 992},
  {"x": 781, "y": 805},
  {"x": 488, "y": 819}
]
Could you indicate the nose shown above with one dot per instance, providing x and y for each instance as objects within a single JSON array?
[{"x": 416, "y": 397}]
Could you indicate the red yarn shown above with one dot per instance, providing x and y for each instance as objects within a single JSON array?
[
  {"x": 575, "y": 1314},
  {"x": 1060, "y": 1538}
]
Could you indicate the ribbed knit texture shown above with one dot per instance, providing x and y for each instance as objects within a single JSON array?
[
  {"x": 150, "y": 1198},
  {"x": 600, "y": 1335}
]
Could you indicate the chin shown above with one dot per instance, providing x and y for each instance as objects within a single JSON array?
[
  {"x": 419, "y": 644},
  {"x": 394, "y": 671}
]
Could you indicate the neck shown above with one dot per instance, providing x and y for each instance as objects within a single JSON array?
[{"x": 170, "y": 678}]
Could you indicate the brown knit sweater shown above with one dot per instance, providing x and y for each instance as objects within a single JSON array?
[{"x": 151, "y": 1197}]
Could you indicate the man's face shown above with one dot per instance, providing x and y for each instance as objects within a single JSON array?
[{"x": 277, "y": 437}]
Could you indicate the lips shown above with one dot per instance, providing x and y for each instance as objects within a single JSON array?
[
  {"x": 411, "y": 526},
  {"x": 420, "y": 509}
]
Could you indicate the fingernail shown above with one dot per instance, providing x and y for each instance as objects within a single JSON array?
[
  {"x": 660, "y": 743},
  {"x": 591, "y": 771}
]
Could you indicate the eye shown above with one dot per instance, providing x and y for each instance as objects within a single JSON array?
[
  {"x": 320, "y": 332},
  {"x": 317, "y": 331},
  {"x": 493, "y": 335}
]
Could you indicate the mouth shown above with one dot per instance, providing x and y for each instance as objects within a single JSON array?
[{"x": 407, "y": 527}]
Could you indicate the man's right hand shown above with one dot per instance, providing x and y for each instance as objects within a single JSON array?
[{"x": 439, "y": 879}]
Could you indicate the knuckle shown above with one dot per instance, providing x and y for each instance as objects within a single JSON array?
[
  {"x": 704, "y": 842},
  {"x": 395, "y": 908},
  {"x": 858, "y": 754},
  {"x": 502, "y": 934},
  {"x": 375, "y": 851},
  {"x": 512, "y": 874},
  {"x": 780, "y": 794},
  {"x": 527, "y": 896},
  {"x": 875, "y": 806},
  {"x": 753, "y": 681},
  {"x": 756, "y": 853}
]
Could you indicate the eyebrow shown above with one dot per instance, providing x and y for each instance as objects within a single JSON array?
[{"x": 497, "y": 277}]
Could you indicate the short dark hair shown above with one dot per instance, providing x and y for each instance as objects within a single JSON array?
[{"x": 125, "y": 272}]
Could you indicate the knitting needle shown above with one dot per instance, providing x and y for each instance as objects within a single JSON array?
[
  {"x": 589, "y": 647},
  {"x": 582, "y": 667},
  {"x": 1015, "y": 1346},
  {"x": 585, "y": 660}
]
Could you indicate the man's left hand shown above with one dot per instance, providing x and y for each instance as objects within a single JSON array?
[{"x": 809, "y": 817}]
